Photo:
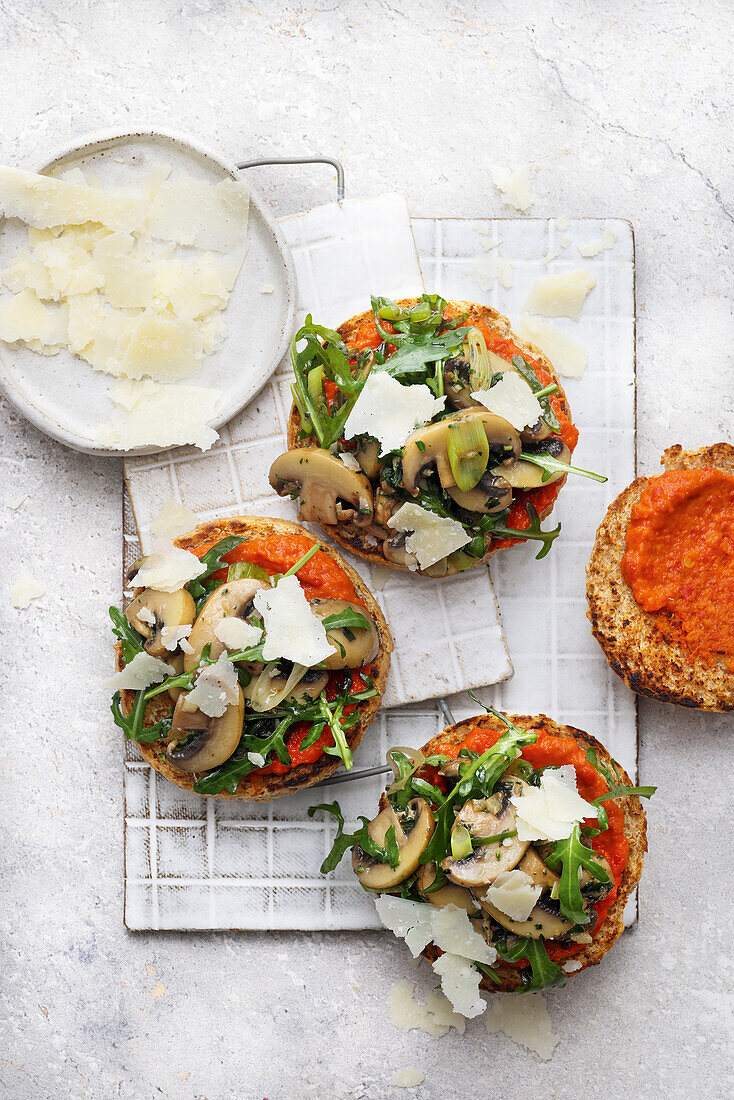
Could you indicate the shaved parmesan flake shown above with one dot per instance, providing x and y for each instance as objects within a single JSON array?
[
  {"x": 493, "y": 268},
  {"x": 524, "y": 1019},
  {"x": 512, "y": 399},
  {"x": 163, "y": 415},
  {"x": 419, "y": 923},
  {"x": 564, "y": 240},
  {"x": 172, "y": 519},
  {"x": 25, "y": 590},
  {"x": 549, "y": 812},
  {"x": 514, "y": 187},
  {"x": 349, "y": 461},
  {"x": 291, "y": 628},
  {"x": 146, "y": 616},
  {"x": 141, "y": 672},
  {"x": 408, "y": 1078},
  {"x": 217, "y": 687},
  {"x": 268, "y": 288},
  {"x": 607, "y": 240},
  {"x": 168, "y": 570},
  {"x": 560, "y": 295},
  {"x": 567, "y": 355},
  {"x": 389, "y": 412},
  {"x": 172, "y": 636},
  {"x": 571, "y": 966},
  {"x": 193, "y": 212},
  {"x": 27, "y": 273},
  {"x": 435, "y": 1018},
  {"x": 24, "y": 317},
  {"x": 257, "y": 759},
  {"x": 43, "y": 201},
  {"x": 514, "y": 894},
  {"x": 432, "y": 537},
  {"x": 165, "y": 348},
  {"x": 563, "y": 223},
  {"x": 235, "y": 633},
  {"x": 460, "y": 983}
]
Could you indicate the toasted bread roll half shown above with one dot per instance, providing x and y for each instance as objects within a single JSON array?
[
  {"x": 361, "y": 520},
  {"x": 652, "y": 659},
  {"x": 284, "y": 542}
]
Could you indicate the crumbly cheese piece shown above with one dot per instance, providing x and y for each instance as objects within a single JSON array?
[
  {"x": 167, "y": 570},
  {"x": 216, "y": 688},
  {"x": 567, "y": 355},
  {"x": 549, "y": 812},
  {"x": 268, "y": 288},
  {"x": 460, "y": 983},
  {"x": 407, "y": 1078},
  {"x": 164, "y": 415},
  {"x": 561, "y": 295},
  {"x": 563, "y": 223},
  {"x": 146, "y": 616},
  {"x": 25, "y": 590},
  {"x": 432, "y": 537},
  {"x": 514, "y": 187},
  {"x": 514, "y": 894},
  {"x": 435, "y": 1018},
  {"x": 43, "y": 201},
  {"x": 172, "y": 636},
  {"x": 173, "y": 519},
  {"x": 141, "y": 672},
  {"x": 193, "y": 212},
  {"x": 235, "y": 633},
  {"x": 512, "y": 399},
  {"x": 349, "y": 461},
  {"x": 291, "y": 628},
  {"x": 493, "y": 268},
  {"x": 68, "y": 267},
  {"x": 523, "y": 1018},
  {"x": 607, "y": 240},
  {"x": 571, "y": 966},
  {"x": 389, "y": 412},
  {"x": 24, "y": 317}
]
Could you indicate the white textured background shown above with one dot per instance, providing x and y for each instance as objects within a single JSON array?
[{"x": 627, "y": 113}]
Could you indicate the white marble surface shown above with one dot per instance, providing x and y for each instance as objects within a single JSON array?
[{"x": 626, "y": 114}]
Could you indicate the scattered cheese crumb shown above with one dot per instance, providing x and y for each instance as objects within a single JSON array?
[
  {"x": 141, "y": 672},
  {"x": 607, "y": 240},
  {"x": 216, "y": 688},
  {"x": 268, "y": 288},
  {"x": 512, "y": 399},
  {"x": 514, "y": 894},
  {"x": 514, "y": 187},
  {"x": 564, "y": 240},
  {"x": 407, "y": 1078},
  {"x": 349, "y": 461},
  {"x": 257, "y": 759},
  {"x": 435, "y": 1018},
  {"x": 173, "y": 519},
  {"x": 560, "y": 295},
  {"x": 567, "y": 355},
  {"x": 26, "y": 589},
  {"x": 571, "y": 966},
  {"x": 172, "y": 636},
  {"x": 146, "y": 616},
  {"x": 523, "y": 1018},
  {"x": 389, "y": 412},
  {"x": 562, "y": 223},
  {"x": 432, "y": 537},
  {"x": 493, "y": 268}
]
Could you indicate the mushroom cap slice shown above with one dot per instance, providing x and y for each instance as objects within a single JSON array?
[
  {"x": 354, "y": 646},
  {"x": 327, "y": 490},
  {"x": 169, "y": 609},
  {"x": 526, "y": 475},
  {"x": 214, "y": 741},
  {"x": 272, "y": 685},
  {"x": 492, "y": 493},
  {"x": 488, "y": 817},
  {"x": 445, "y": 895},
  {"x": 533, "y": 865},
  {"x": 393, "y": 549},
  {"x": 427, "y": 447},
  {"x": 545, "y": 920},
  {"x": 367, "y": 454},
  {"x": 413, "y": 830},
  {"x": 231, "y": 598}
]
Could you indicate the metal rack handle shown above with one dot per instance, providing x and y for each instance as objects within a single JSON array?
[{"x": 335, "y": 164}]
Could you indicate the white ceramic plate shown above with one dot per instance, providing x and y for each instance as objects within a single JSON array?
[{"x": 68, "y": 400}]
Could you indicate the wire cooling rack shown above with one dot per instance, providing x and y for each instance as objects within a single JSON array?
[{"x": 192, "y": 863}]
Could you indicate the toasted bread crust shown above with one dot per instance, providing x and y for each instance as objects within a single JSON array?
[
  {"x": 354, "y": 538},
  {"x": 267, "y": 787},
  {"x": 647, "y": 661},
  {"x": 635, "y": 830}
]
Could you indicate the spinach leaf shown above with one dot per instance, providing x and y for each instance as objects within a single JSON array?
[{"x": 389, "y": 854}]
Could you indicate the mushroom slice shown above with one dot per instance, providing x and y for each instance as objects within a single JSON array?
[
  {"x": 526, "y": 475},
  {"x": 214, "y": 740},
  {"x": 483, "y": 817},
  {"x": 272, "y": 685},
  {"x": 533, "y": 865},
  {"x": 393, "y": 549},
  {"x": 492, "y": 493},
  {"x": 445, "y": 895},
  {"x": 354, "y": 646},
  {"x": 545, "y": 920},
  {"x": 367, "y": 454},
  {"x": 327, "y": 490},
  {"x": 385, "y": 505},
  {"x": 233, "y": 598},
  {"x": 413, "y": 829},
  {"x": 427, "y": 447},
  {"x": 536, "y": 432},
  {"x": 591, "y": 886},
  {"x": 168, "y": 610}
]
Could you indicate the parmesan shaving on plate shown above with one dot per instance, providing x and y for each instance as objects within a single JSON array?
[
  {"x": 432, "y": 537},
  {"x": 607, "y": 240},
  {"x": 560, "y": 295},
  {"x": 173, "y": 519},
  {"x": 162, "y": 415},
  {"x": 408, "y": 1078},
  {"x": 549, "y": 812},
  {"x": 291, "y": 628},
  {"x": 141, "y": 672},
  {"x": 167, "y": 570},
  {"x": 524, "y": 1018},
  {"x": 514, "y": 186},
  {"x": 216, "y": 688},
  {"x": 389, "y": 412},
  {"x": 512, "y": 399},
  {"x": 25, "y": 590},
  {"x": 435, "y": 1018},
  {"x": 567, "y": 355}
]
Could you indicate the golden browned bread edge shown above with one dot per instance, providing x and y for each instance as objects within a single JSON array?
[
  {"x": 269, "y": 787},
  {"x": 635, "y": 830},
  {"x": 353, "y": 538},
  {"x": 647, "y": 661}
]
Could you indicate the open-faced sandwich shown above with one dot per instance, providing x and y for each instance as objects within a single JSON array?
[
  {"x": 424, "y": 435},
  {"x": 251, "y": 659},
  {"x": 504, "y": 851},
  {"x": 660, "y": 582}
]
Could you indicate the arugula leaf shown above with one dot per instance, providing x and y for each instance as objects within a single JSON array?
[
  {"x": 132, "y": 642},
  {"x": 132, "y": 724},
  {"x": 228, "y": 775},
  {"x": 572, "y": 854},
  {"x": 340, "y": 747},
  {"x": 203, "y": 585},
  {"x": 552, "y": 465},
  {"x": 389, "y": 854},
  {"x": 543, "y": 972},
  {"x": 523, "y": 368},
  {"x": 617, "y": 789},
  {"x": 348, "y": 619},
  {"x": 534, "y": 532}
]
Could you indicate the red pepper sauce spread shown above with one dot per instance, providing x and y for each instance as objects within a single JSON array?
[
  {"x": 320, "y": 578},
  {"x": 611, "y": 843},
  {"x": 679, "y": 560},
  {"x": 365, "y": 335}
]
